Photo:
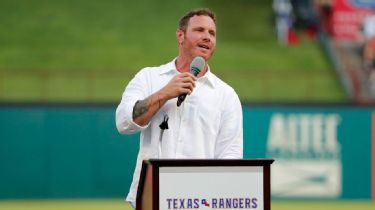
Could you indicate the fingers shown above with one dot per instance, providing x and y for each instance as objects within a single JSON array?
[
  {"x": 187, "y": 89},
  {"x": 187, "y": 77},
  {"x": 186, "y": 81},
  {"x": 183, "y": 83}
]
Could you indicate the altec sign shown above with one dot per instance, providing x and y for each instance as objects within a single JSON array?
[
  {"x": 308, "y": 155},
  {"x": 319, "y": 151}
]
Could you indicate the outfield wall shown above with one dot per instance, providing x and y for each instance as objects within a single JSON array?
[
  {"x": 74, "y": 151},
  {"x": 63, "y": 152}
]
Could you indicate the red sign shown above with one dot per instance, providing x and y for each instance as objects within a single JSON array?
[{"x": 347, "y": 19}]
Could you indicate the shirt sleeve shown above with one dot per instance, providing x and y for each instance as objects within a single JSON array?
[
  {"x": 135, "y": 90},
  {"x": 229, "y": 143}
]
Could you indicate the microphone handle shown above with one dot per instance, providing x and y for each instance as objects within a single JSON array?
[{"x": 180, "y": 99}]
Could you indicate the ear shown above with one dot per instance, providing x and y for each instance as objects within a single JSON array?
[{"x": 180, "y": 35}]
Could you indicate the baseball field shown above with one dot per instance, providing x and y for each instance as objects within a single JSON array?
[{"x": 73, "y": 51}]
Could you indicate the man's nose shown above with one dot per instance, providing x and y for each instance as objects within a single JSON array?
[{"x": 206, "y": 36}]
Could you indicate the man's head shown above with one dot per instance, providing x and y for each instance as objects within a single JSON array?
[{"x": 196, "y": 34}]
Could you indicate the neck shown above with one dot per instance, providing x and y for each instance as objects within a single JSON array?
[{"x": 182, "y": 64}]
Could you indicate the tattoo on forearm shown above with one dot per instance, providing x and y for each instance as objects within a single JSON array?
[{"x": 140, "y": 108}]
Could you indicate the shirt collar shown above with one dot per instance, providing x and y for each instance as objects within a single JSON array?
[
  {"x": 209, "y": 77},
  {"x": 171, "y": 67}
]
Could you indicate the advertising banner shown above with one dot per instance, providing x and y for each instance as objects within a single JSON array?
[
  {"x": 319, "y": 152},
  {"x": 348, "y": 16},
  {"x": 322, "y": 151}
]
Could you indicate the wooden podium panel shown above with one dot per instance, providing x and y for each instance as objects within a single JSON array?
[{"x": 169, "y": 184}]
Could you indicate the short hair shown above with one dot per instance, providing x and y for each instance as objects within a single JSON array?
[{"x": 183, "y": 23}]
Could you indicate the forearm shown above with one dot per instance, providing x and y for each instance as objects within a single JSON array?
[{"x": 145, "y": 109}]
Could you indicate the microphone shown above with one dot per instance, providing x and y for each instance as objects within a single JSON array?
[{"x": 196, "y": 66}]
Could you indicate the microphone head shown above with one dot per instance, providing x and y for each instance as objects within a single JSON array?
[{"x": 197, "y": 65}]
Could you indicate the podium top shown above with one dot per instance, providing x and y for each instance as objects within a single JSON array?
[
  {"x": 209, "y": 162},
  {"x": 157, "y": 174}
]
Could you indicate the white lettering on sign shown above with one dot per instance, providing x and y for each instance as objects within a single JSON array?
[
  {"x": 307, "y": 153},
  {"x": 303, "y": 136}
]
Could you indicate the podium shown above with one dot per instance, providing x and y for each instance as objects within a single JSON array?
[{"x": 170, "y": 184}]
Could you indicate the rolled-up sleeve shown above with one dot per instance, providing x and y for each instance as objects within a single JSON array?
[
  {"x": 229, "y": 143},
  {"x": 134, "y": 91}
]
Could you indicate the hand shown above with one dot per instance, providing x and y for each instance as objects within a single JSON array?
[{"x": 183, "y": 83}]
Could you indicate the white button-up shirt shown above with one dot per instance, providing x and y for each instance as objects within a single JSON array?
[{"x": 208, "y": 124}]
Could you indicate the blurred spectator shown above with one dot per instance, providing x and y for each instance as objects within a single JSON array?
[
  {"x": 369, "y": 49},
  {"x": 369, "y": 42},
  {"x": 292, "y": 15},
  {"x": 324, "y": 10},
  {"x": 306, "y": 17},
  {"x": 284, "y": 20}
]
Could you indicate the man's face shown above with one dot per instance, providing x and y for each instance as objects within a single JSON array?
[{"x": 199, "y": 39}]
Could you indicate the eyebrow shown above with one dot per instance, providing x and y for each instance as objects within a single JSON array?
[{"x": 201, "y": 27}]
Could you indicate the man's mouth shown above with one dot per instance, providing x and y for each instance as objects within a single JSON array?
[{"x": 204, "y": 46}]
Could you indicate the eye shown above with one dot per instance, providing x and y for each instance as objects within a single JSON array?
[{"x": 200, "y": 29}]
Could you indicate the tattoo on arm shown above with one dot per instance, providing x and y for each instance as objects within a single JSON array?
[{"x": 140, "y": 108}]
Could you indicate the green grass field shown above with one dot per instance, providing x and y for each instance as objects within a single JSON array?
[
  {"x": 121, "y": 205},
  {"x": 83, "y": 50}
]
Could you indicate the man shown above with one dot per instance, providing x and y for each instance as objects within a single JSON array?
[
  {"x": 369, "y": 43},
  {"x": 208, "y": 124}
]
